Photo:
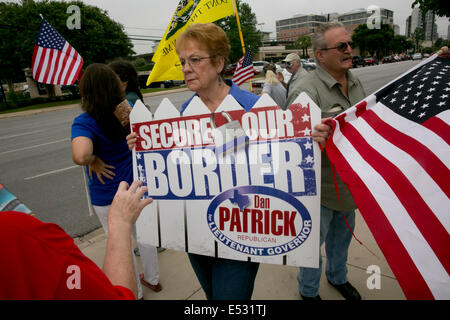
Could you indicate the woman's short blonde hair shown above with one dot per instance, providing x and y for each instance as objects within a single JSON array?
[
  {"x": 271, "y": 77},
  {"x": 210, "y": 36}
]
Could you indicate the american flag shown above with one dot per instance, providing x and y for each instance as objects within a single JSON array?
[
  {"x": 392, "y": 151},
  {"x": 54, "y": 61},
  {"x": 244, "y": 69}
]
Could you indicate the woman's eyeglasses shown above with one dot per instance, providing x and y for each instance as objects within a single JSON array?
[
  {"x": 342, "y": 46},
  {"x": 193, "y": 61}
]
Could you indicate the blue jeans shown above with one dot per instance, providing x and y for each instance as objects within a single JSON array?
[
  {"x": 223, "y": 279},
  {"x": 336, "y": 235}
]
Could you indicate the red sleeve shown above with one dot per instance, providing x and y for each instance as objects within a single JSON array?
[
  {"x": 124, "y": 293},
  {"x": 40, "y": 261}
]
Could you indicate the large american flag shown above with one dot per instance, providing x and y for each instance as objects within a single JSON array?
[
  {"x": 244, "y": 69},
  {"x": 54, "y": 61},
  {"x": 392, "y": 151}
]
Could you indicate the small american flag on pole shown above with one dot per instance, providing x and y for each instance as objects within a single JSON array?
[
  {"x": 392, "y": 151},
  {"x": 54, "y": 61},
  {"x": 244, "y": 69}
]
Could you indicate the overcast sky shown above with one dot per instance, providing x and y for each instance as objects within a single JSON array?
[{"x": 151, "y": 17}]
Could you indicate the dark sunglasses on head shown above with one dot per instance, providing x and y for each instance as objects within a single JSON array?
[{"x": 341, "y": 46}]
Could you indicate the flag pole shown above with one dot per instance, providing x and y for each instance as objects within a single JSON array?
[{"x": 240, "y": 35}]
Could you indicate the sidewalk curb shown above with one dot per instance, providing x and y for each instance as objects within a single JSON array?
[
  {"x": 151, "y": 94},
  {"x": 90, "y": 238},
  {"x": 38, "y": 111}
]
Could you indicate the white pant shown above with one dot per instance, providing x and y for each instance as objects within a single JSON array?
[{"x": 149, "y": 254}]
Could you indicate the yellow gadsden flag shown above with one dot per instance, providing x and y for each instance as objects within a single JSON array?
[{"x": 167, "y": 65}]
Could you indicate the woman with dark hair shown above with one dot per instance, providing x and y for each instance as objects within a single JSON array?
[
  {"x": 129, "y": 79},
  {"x": 101, "y": 96},
  {"x": 98, "y": 140},
  {"x": 149, "y": 254}
]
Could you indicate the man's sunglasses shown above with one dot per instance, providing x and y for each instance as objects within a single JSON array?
[
  {"x": 287, "y": 64},
  {"x": 342, "y": 46}
]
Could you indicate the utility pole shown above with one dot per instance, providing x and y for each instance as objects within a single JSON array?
[{"x": 2, "y": 95}]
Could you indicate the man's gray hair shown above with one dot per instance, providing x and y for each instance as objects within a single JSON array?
[{"x": 318, "y": 41}]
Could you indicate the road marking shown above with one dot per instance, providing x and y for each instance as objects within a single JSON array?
[
  {"x": 35, "y": 146},
  {"x": 21, "y": 134},
  {"x": 51, "y": 172}
]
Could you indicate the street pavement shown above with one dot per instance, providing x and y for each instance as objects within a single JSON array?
[
  {"x": 36, "y": 163},
  {"x": 273, "y": 282}
]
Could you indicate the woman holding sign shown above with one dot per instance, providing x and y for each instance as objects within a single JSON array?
[{"x": 203, "y": 50}]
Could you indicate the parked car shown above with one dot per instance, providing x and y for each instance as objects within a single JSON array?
[
  {"x": 143, "y": 76},
  {"x": 73, "y": 90},
  {"x": 387, "y": 59},
  {"x": 369, "y": 61},
  {"x": 358, "y": 61},
  {"x": 258, "y": 85},
  {"x": 229, "y": 69},
  {"x": 259, "y": 65},
  {"x": 405, "y": 56},
  {"x": 308, "y": 65},
  {"x": 417, "y": 56}
]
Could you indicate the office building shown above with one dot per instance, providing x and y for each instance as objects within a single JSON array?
[
  {"x": 425, "y": 21},
  {"x": 408, "y": 27},
  {"x": 288, "y": 30},
  {"x": 351, "y": 20}
]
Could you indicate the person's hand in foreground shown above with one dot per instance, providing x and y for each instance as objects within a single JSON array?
[
  {"x": 122, "y": 214},
  {"x": 322, "y": 132},
  {"x": 127, "y": 204}
]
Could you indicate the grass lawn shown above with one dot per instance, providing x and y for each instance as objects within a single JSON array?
[
  {"x": 63, "y": 103},
  {"x": 41, "y": 106}
]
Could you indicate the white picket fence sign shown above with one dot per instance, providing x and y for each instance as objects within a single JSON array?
[{"x": 259, "y": 201}]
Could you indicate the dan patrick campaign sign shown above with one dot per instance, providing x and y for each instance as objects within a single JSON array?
[{"x": 231, "y": 184}]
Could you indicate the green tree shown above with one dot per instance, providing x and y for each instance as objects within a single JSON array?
[
  {"x": 418, "y": 36},
  {"x": 252, "y": 36},
  {"x": 440, "y": 43},
  {"x": 303, "y": 42},
  {"x": 400, "y": 44},
  {"x": 100, "y": 39},
  {"x": 439, "y": 7},
  {"x": 375, "y": 41}
]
